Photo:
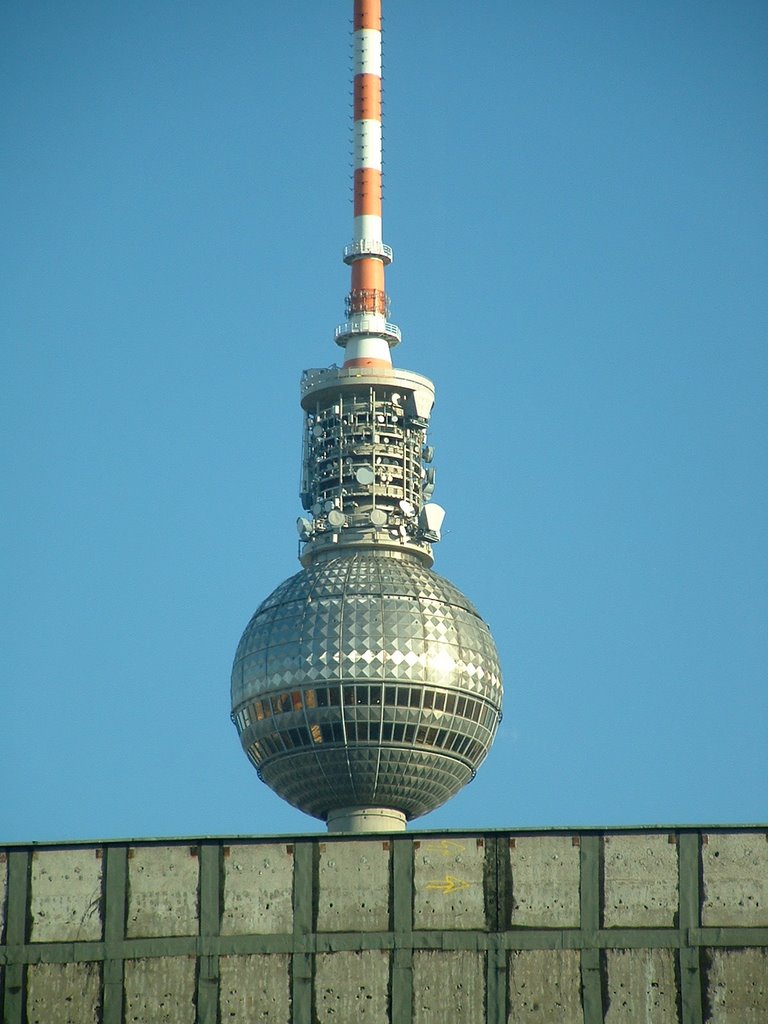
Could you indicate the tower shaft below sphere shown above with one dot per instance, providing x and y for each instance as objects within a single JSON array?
[{"x": 366, "y": 819}]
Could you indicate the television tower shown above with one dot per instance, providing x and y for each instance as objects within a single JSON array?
[{"x": 366, "y": 689}]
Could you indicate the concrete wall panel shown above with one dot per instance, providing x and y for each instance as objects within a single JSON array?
[
  {"x": 3, "y": 892},
  {"x": 353, "y": 887},
  {"x": 448, "y": 987},
  {"x": 57, "y": 897},
  {"x": 255, "y": 988},
  {"x": 735, "y": 868},
  {"x": 66, "y": 895},
  {"x": 349, "y": 986},
  {"x": 545, "y": 882},
  {"x": 162, "y": 891},
  {"x": 641, "y": 986},
  {"x": 448, "y": 883},
  {"x": 545, "y": 986},
  {"x": 641, "y": 888},
  {"x": 258, "y": 884},
  {"x": 737, "y": 990},
  {"x": 160, "y": 990},
  {"x": 63, "y": 993}
]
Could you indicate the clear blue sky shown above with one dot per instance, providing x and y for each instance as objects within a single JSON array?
[{"x": 577, "y": 199}]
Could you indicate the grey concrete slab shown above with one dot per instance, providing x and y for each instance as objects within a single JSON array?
[
  {"x": 3, "y": 891},
  {"x": 448, "y": 987},
  {"x": 735, "y": 870},
  {"x": 352, "y": 986},
  {"x": 160, "y": 990},
  {"x": 460, "y": 964},
  {"x": 545, "y": 881},
  {"x": 254, "y": 988},
  {"x": 162, "y": 891},
  {"x": 640, "y": 881},
  {"x": 641, "y": 986},
  {"x": 63, "y": 993},
  {"x": 258, "y": 882},
  {"x": 737, "y": 986},
  {"x": 544, "y": 986},
  {"x": 448, "y": 883},
  {"x": 353, "y": 886},
  {"x": 65, "y": 900}
]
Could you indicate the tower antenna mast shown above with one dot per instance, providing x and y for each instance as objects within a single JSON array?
[{"x": 366, "y": 335}]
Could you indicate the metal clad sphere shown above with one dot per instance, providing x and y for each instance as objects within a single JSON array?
[{"x": 366, "y": 680}]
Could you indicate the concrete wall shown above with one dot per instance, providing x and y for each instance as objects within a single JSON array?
[{"x": 591, "y": 927}]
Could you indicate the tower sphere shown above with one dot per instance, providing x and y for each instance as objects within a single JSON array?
[{"x": 366, "y": 681}]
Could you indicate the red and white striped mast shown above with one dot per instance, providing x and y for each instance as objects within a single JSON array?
[{"x": 366, "y": 335}]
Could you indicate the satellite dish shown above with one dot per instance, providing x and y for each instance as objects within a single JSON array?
[
  {"x": 378, "y": 517},
  {"x": 431, "y": 520},
  {"x": 317, "y": 508},
  {"x": 419, "y": 403},
  {"x": 329, "y": 504},
  {"x": 406, "y": 508},
  {"x": 317, "y": 430},
  {"x": 365, "y": 475},
  {"x": 304, "y": 527},
  {"x": 336, "y": 518},
  {"x": 427, "y": 453}
]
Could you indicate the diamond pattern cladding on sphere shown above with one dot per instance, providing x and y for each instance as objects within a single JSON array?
[{"x": 373, "y": 666}]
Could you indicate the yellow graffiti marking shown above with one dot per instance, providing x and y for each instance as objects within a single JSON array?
[
  {"x": 447, "y": 885},
  {"x": 449, "y": 847}
]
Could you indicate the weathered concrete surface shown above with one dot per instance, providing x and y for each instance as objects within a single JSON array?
[
  {"x": 258, "y": 884},
  {"x": 735, "y": 867},
  {"x": 641, "y": 986},
  {"x": 353, "y": 886},
  {"x": 545, "y": 881},
  {"x": 351, "y": 890},
  {"x": 641, "y": 889},
  {"x": 66, "y": 895},
  {"x": 545, "y": 986},
  {"x": 349, "y": 986},
  {"x": 160, "y": 990},
  {"x": 162, "y": 891},
  {"x": 63, "y": 993},
  {"x": 3, "y": 892},
  {"x": 3, "y": 899},
  {"x": 255, "y": 988},
  {"x": 448, "y": 987},
  {"x": 448, "y": 883},
  {"x": 737, "y": 990}
]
